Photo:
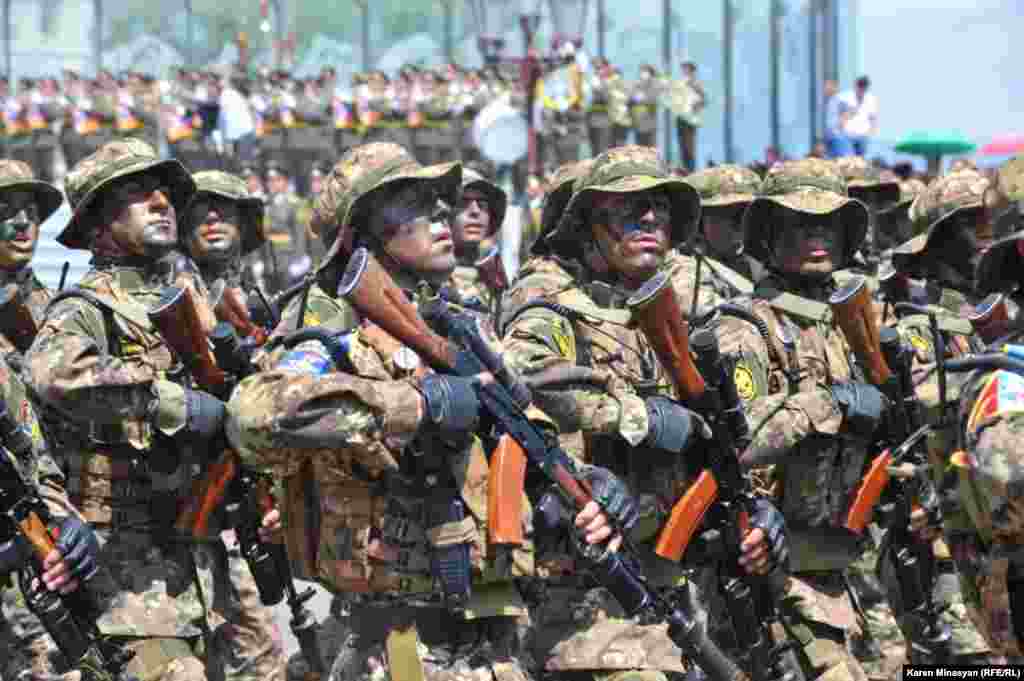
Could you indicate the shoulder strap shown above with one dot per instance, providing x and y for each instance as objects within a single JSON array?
[
  {"x": 133, "y": 312},
  {"x": 796, "y": 305},
  {"x": 731, "y": 276}
]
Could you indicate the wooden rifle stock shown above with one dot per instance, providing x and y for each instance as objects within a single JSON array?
[
  {"x": 374, "y": 294},
  {"x": 851, "y": 310},
  {"x": 34, "y": 530},
  {"x": 207, "y": 495},
  {"x": 231, "y": 309},
  {"x": 853, "y": 313},
  {"x": 656, "y": 311},
  {"x": 16, "y": 321},
  {"x": 179, "y": 321},
  {"x": 687, "y": 517}
]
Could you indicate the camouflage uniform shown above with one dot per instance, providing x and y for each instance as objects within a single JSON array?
[
  {"x": 784, "y": 377},
  {"x": 30, "y": 653},
  {"x": 36, "y": 652},
  {"x": 727, "y": 186},
  {"x": 335, "y": 430},
  {"x": 986, "y": 487},
  {"x": 578, "y": 629},
  {"x": 101, "y": 365},
  {"x": 251, "y": 647},
  {"x": 473, "y": 287}
]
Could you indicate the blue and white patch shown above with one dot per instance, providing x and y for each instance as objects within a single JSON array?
[{"x": 306, "y": 362}]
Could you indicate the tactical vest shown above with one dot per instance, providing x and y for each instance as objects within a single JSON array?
[
  {"x": 336, "y": 508},
  {"x": 110, "y": 466},
  {"x": 815, "y": 484}
]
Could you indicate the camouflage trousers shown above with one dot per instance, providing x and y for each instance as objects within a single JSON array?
[
  {"x": 402, "y": 643},
  {"x": 246, "y": 641},
  {"x": 30, "y": 653},
  {"x": 581, "y": 633},
  {"x": 817, "y": 614}
]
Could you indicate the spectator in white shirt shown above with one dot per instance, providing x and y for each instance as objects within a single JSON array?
[
  {"x": 236, "y": 123},
  {"x": 860, "y": 115}
]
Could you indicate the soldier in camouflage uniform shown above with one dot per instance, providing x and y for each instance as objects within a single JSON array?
[
  {"x": 628, "y": 206},
  {"x": 987, "y": 482},
  {"x": 25, "y": 203},
  {"x": 223, "y": 224},
  {"x": 130, "y": 432},
  {"x": 30, "y": 653},
  {"x": 475, "y": 230},
  {"x": 359, "y": 435},
  {"x": 725, "y": 192},
  {"x": 813, "y": 421},
  {"x": 894, "y": 225}
]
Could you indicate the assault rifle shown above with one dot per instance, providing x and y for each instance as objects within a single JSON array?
[
  {"x": 241, "y": 491},
  {"x": 69, "y": 619},
  {"x": 456, "y": 347},
  {"x": 892, "y": 484},
  {"x": 719, "y": 502}
]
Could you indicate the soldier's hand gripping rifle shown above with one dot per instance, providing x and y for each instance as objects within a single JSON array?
[
  {"x": 898, "y": 477},
  {"x": 463, "y": 352},
  {"x": 719, "y": 503},
  {"x": 243, "y": 493},
  {"x": 69, "y": 619}
]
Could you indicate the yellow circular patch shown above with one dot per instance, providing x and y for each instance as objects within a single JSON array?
[
  {"x": 920, "y": 344},
  {"x": 743, "y": 377}
]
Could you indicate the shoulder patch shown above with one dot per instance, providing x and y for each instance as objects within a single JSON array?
[
  {"x": 1002, "y": 394},
  {"x": 565, "y": 340},
  {"x": 746, "y": 386},
  {"x": 921, "y": 344}
]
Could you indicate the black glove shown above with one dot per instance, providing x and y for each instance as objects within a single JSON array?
[
  {"x": 864, "y": 407},
  {"x": 671, "y": 425},
  {"x": 204, "y": 417},
  {"x": 78, "y": 545},
  {"x": 614, "y": 498},
  {"x": 773, "y": 524},
  {"x": 452, "y": 404},
  {"x": 14, "y": 553}
]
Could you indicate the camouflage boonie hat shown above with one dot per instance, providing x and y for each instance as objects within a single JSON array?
[
  {"x": 495, "y": 195},
  {"x": 864, "y": 181},
  {"x": 625, "y": 170},
  {"x": 1011, "y": 179},
  {"x": 811, "y": 186},
  {"x": 557, "y": 197},
  {"x": 931, "y": 211},
  {"x": 362, "y": 172},
  {"x": 114, "y": 161},
  {"x": 725, "y": 185},
  {"x": 1001, "y": 267},
  {"x": 232, "y": 188},
  {"x": 18, "y": 176}
]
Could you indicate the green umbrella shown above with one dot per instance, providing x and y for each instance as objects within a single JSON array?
[{"x": 935, "y": 145}]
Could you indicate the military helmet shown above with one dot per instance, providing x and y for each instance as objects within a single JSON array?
[
  {"x": 360, "y": 175},
  {"x": 864, "y": 181},
  {"x": 724, "y": 185},
  {"x": 496, "y": 196},
  {"x": 811, "y": 186},
  {"x": 625, "y": 170},
  {"x": 114, "y": 161},
  {"x": 555, "y": 200},
  {"x": 17, "y": 176},
  {"x": 932, "y": 212},
  {"x": 231, "y": 187}
]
